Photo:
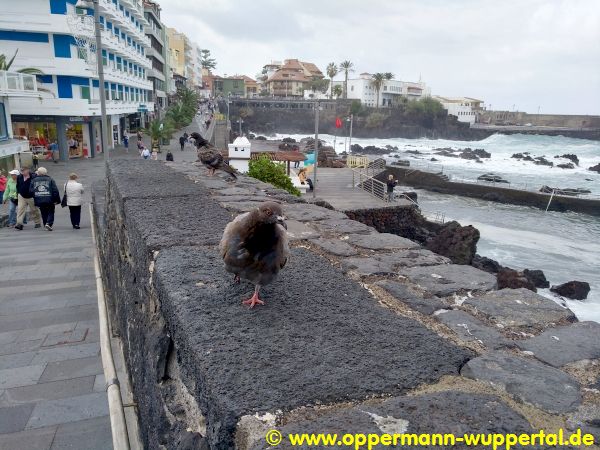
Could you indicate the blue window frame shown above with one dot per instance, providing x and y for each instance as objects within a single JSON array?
[{"x": 3, "y": 123}]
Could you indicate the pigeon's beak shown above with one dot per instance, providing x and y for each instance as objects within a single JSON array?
[{"x": 281, "y": 221}]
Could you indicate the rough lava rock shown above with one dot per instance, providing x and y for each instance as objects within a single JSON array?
[
  {"x": 519, "y": 308},
  {"x": 569, "y": 156},
  {"x": 576, "y": 290},
  {"x": 509, "y": 278},
  {"x": 456, "y": 242},
  {"x": 563, "y": 345},
  {"x": 527, "y": 380},
  {"x": 469, "y": 329},
  {"x": 537, "y": 277},
  {"x": 487, "y": 264},
  {"x": 443, "y": 280},
  {"x": 401, "y": 292},
  {"x": 566, "y": 166},
  {"x": 595, "y": 168}
]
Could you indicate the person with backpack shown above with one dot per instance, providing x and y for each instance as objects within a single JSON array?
[
  {"x": 25, "y": 199},
  {"x": 182, "y": 142},
  {"x": 45, "y": 195},
  {"x": 169, "y": 156}
]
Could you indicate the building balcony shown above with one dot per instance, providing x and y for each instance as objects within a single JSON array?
[
  {"x": 73, "y": 107},
  {"x": 15, "y": 84},
  {"x": 153, "y": 73},
  {"x": 153, "y": 53}
]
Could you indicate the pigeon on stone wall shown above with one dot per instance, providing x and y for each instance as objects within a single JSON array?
[
  {"x": 254, "y": 247},
  {"x": 211, "y": 157}
]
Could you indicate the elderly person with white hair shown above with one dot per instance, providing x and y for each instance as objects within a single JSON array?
[
  {"x": 45, "y": 195},
  {"x": 74, "y": 193}
]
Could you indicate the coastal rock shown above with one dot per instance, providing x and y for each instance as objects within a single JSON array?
[
  {"x": 456, "y": 242},
  {"x": 595, "y": 168},
  {"x": 373, "y": 150},
  {"x": 401, "y": 292},
  {"x": 469, "y": 329},
  {"x": 537, "y": 277},
  {"x": 509, "y": 278},
  {"x": 487, "y": 264},
  {"x": 335, "y": 246},
  {"x": 566, "y": 166},
  {"x": 443, "y": 280},
  {"x": 389, "y": 263},
  {"x": 260, "y": 138},
  {"x": 382, "y": 241},
  {"x": 576, "y": 290},
  {"x": 432, "y": 413},
  {"x": 342, "y": 226},
  {"x": 492, "y": 177},
  {"x": 356, "y": 148},
  {"x": 587, "y": 417},
  {"x": 526, "y": 380},
  {"x": 401, "y": 162},
  {"x": 310, "y": 213},
  {"x": 468, "y": 153},
  {"x": 542, "y": 161},
  {"x": 566, "y": 191},
  {"x": 563, "y": 345},
  {"x": 569, "y": 156},
  {"x": 289, "y": 140},
  {"x": 519, "y": 308}
]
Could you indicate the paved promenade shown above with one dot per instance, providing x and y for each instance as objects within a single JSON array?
[
  {"x": 51, "y": 384},
  {"x": 52, "y": 392}
]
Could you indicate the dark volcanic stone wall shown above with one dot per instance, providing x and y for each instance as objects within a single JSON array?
[
  {"x": 322, "y": 338},
  {"x": 361, "y": 321}
]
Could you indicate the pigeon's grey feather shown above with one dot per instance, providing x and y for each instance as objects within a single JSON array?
[
  {"x": 255, "y": 244},
  {"x": 211, "y": 157}
]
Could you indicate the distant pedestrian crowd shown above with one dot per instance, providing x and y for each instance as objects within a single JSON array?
[{"x": 34, "y": 196}]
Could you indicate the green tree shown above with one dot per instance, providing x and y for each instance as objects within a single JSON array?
[
  {"x": 266, "y": 170},
  {"x": 337, "y": 91},
  {"x": 6, "y": 64},
  {"x": 159, "y": 130},
  {"x": 178, "y": 115},
  {"x": 318, "y": 85},
  {"x": 375, "y": 120},
  {"x": 424, "y": 111},
  {"x": 377, "y": 81},
  {"x": 346, "y": 67},
  {"x": 332, "y": 71},
  {"x": 206, "y": 61},
  {"x": 355, "y": 107}
]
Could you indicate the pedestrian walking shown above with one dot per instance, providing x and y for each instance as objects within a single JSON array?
[
  {"x": 126, "y": 143},
  {"x": 182, "y": 142},
  {"x": 391, "y": 184},
  {"x": 10, "y": 197},
  {"x": 25, "y": 199},
  {"x": 74, "y": 193},
  {"x": 3, "y": 181},
  {"x": 35, "y": 157},
  {"x": 46, "y": 196},
  {"x": 54, "y": 153},
  {"x": 139, "y": 136}
]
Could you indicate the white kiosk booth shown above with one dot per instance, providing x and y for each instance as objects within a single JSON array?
[{"x": 240, "y": 153}]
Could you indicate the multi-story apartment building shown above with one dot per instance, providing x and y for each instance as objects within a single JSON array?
[
  {"x": 185, "y": 55},
  {"x": 464, "y": 108},
  {"x": 69, "y": 107},
  {"x": 291, "y": 78},
  {"x": 159, "y": 73},
  {"x": 391, "y": 92}
]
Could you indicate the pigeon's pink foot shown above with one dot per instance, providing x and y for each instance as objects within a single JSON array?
[
  {"x": 253, "y": 301},
  {"x": 236, "y": 279}
]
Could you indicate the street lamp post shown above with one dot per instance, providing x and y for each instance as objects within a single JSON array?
[
  {"x": 104, "y": 133},
  {"x": 316, "y": 148}
]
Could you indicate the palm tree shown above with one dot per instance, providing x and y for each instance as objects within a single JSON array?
[
  {"x": 159, "y": 130},
  {"x": 388, "y": 76},
  {"x": 5, "y": 65},
  {"x": 332, "y": 71},
  {"x": 346, "y": 66},
  {"x": 377, "y": 81}
]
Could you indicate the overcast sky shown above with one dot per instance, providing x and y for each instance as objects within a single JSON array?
[{"x": 526, "y": 53}]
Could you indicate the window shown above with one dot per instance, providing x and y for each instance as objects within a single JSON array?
[
  {"x": 3, "y": 123},
  {"x": 85, "y": 92}
]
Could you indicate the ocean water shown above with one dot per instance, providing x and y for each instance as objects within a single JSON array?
[{"x": 566, "y": 246}]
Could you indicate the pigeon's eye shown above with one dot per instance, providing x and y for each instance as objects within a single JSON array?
[{"x": 268, "y": 212}]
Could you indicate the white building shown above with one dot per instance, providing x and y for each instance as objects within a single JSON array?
[
  {"x": 464, "y": 108},
  {"x": 391, "y": 92},
  {"x": 240, "y": 153},
  {"x": 70, "y": 106},
  {"x": 12, "y": 87}
]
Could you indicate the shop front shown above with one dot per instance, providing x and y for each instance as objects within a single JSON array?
[{"x": 71, "y": 136}]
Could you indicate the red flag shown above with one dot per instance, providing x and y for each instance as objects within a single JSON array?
[{"x": 338, "y": 122}]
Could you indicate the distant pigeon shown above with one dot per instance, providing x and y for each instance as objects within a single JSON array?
[
  {"x": 254, "y": 247},
  {"x": 211, "y": 157}
]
